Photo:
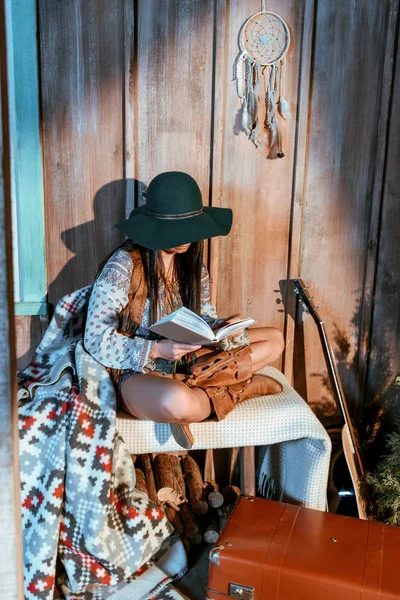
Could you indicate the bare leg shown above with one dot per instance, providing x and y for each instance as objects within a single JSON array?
[
  {"x": 164, "y": 399},
  {"x": 266, "y": 345}
]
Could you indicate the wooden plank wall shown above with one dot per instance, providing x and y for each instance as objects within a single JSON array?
[
  {"x": 382, "y": 390},
  {"x": 132, "y": 89},
  {"x": 342, "y": 174},
  {"x": 247, "y": 266}
]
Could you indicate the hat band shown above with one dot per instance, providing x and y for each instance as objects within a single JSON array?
[{"x": 193, "y": 213}]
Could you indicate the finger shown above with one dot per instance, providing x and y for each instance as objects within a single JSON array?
[
  {"x": 233, "y": 318},
  {"x": 188, "y": 348}
]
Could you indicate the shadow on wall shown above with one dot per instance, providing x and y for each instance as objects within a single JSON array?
[
  {"x": 381, "y": 405},
  {"x": 90, "y": 244}
]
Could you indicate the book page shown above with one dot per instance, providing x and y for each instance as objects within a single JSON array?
[
  {"x": 180, "y": 333},
  {"x": 233, "y": 327},
  {"x": 183, "y": 325},
  {"x": 194, "y": 322}
]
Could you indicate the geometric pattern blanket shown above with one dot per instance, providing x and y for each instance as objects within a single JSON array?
[{"x": 87, "y": 531}]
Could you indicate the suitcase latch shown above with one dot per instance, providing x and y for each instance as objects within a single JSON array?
[{"x": 241, "y": 591}]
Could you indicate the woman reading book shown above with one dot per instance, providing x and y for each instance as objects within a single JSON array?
[{"x": 155, "y": 272}]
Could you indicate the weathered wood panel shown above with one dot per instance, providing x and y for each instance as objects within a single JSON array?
[
  {"x": 82, "y": 80},
  {"x": 247, "y": 266},
  {"x": 10, "y": 518},
  {"x": 173, "y": 89},
  {"x": 388, "y": 103},
  {"x": 348, "y": 66},
  {"x": 383, "y": 390},
  {"x": 29, "y": 332},
  {"x": 292, "y": 361}
]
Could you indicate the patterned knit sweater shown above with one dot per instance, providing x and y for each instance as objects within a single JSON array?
[{"x": 109, "y": 296}]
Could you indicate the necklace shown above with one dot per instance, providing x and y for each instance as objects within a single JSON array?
[
  {"x": 169, "y": 280},
  {"x": 168, "y": 275}
]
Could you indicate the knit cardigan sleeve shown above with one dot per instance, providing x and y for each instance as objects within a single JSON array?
[{"x": 109, "y": 296}]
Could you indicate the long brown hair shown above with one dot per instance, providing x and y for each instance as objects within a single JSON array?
[{"x": 188, "y": 272}]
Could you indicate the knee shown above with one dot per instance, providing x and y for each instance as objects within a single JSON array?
[
  {"x": 276, "y": 335},
  {"x": 175, "y": 403}
]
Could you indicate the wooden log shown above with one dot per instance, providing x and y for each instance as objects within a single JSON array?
[
  {"x": 208, "y": 488},
  {"x": 211, "y": 489},
  {"x": 211, "y": 532},
  {"x": 140, "y": 481},
  {"x": 163, "y": 472},
  {"x": 196, "y": 539},
  {"x": 223, "y": 516},
  {"x": 177, "y": 453},
  {"x": 175, "y": 520},
  {"x": 149, "y": 476},
  {"x": 178, "y": 475},
  {"x": 194, "y": 485},
  {"x": 189, "y": 520},
  {"x": 165, "y": 482},
  {"x": 230, "y": 494},
  {"x": 215, "y": 499},
  {"x": 171, "y": 497}
]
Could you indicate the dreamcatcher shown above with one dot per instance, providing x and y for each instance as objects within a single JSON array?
[{"x": 264, "y": 40}]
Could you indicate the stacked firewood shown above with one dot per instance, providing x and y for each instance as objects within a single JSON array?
[{"x": 197, "y": 509}]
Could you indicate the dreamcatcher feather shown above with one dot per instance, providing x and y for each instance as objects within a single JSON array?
[{"x": 264, "y": 41}]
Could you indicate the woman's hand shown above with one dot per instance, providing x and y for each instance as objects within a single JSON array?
[
  {"x": 232, "y": 319},
  {"x": 171, "y": 350}
]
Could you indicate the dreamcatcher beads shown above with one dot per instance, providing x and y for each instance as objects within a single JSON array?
[{"x": 264, "y": 41}]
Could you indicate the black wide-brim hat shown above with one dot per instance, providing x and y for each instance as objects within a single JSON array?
[{"x": 174, "y": 214}]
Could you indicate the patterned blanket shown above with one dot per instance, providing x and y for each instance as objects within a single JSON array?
[{"x": 87, "y": 532}]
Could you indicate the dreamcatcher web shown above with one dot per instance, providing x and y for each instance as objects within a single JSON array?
[
  {"x": 265, "y": 37},
  {"x": 264, "y": 41}
]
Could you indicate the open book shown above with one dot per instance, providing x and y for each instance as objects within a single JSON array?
[{"x": 185, "y": 326}]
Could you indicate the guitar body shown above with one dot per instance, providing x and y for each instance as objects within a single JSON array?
[
  {"x": 341, "y": 493},
  {"x": 353, "y": 471},
  {"x": 343, "y": 484}
]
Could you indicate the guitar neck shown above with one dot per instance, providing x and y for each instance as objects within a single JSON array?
[
  {"x": 332, "y": 371},
  {"x": 335, "y": 381}
]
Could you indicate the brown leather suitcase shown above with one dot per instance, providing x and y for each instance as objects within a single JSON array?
[{"x": 274, "y": 551}]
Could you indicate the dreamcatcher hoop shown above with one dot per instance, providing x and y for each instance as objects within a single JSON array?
[
  {"x": 261, "y": 37},
  {"x": 264, "y": 40}
]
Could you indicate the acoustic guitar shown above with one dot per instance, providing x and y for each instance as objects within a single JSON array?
[{"x": 349, "y": 436}]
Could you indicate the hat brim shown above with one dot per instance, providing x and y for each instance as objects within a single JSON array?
[{"x": 161, "y": 234}]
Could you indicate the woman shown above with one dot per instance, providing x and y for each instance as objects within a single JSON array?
[{"x": 160, "y": 379}]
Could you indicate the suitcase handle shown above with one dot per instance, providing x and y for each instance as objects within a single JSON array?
[{"x": 236, "y": 590}]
